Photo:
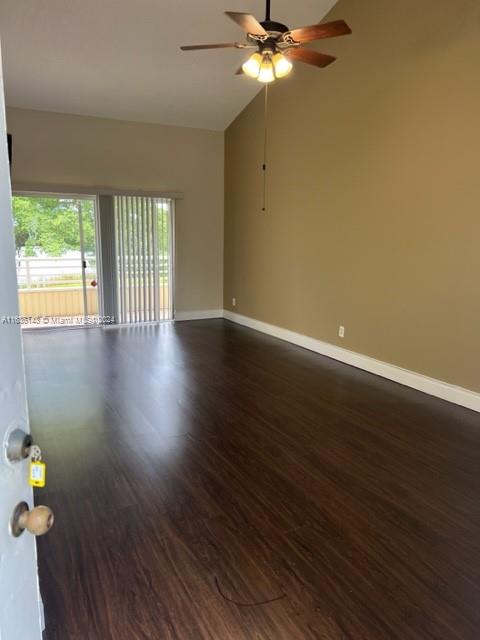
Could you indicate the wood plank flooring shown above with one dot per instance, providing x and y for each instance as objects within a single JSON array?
[{"x": 202, "y": 462}]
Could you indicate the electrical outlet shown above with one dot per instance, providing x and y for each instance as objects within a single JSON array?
[
  {"x": 234, "y": 302},
  {"x": 341, "y": 331}
]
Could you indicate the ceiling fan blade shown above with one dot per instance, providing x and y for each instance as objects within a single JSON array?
[
  {"x": 220, "y": 45},
  {"x": 310, "y": 57},
  {"x": 248, "y": 23},
  {"x": 317, "y": 32}
]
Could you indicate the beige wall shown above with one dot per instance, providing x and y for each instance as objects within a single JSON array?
[
  {"x": 57, "y": 149},
  {"x": 373, "y": 217}
]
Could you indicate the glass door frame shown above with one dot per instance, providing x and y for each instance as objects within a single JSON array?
[
  {"x": 78, "y": 196},
  {"x": 83, "y": 258}
]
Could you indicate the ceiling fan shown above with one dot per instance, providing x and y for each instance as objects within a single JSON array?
[{"x": 276, "y": 44}]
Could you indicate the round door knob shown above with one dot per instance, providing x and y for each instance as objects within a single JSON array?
[{"x": 38, "y": 521}]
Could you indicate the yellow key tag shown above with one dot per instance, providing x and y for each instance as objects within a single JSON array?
[{"x": 38, "y": 474}]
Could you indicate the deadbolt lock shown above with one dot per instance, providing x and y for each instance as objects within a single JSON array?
[{"x": 18, "y": 445}]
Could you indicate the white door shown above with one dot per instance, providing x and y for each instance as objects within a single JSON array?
[{"x": 20, "y": 604}]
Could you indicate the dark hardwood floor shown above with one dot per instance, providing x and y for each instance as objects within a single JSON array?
[{"x": 197, "y": 463}]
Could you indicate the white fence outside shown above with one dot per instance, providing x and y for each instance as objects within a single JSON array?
[{"x": 50, "y": 272}]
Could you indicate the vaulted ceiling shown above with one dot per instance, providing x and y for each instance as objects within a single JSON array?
[{"x": 121, "y": 58}]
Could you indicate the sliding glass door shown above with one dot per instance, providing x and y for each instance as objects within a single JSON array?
[
  {"x": 144, "y": 258},
  {"x": 55, "y": 240},
  {"x": 87, "y": 226}
]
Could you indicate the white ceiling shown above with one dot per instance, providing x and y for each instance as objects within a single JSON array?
[{"x": 121, "y": 58}]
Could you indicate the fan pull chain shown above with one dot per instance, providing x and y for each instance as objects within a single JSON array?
[{"x": 264, "y": 166}]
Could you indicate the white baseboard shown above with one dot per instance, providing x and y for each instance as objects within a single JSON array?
[
  {"x": 199, "y": 315},
  {"x": 431, "y": 386}
]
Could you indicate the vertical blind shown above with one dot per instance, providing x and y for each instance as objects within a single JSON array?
[{"x": 143, "y": 240}]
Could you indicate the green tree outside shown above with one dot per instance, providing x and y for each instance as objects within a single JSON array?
[{"x": 50, "y": 226}]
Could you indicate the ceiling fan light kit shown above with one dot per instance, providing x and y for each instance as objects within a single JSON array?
[
  {"x": 267, "y": 66},
  {"x": 276, "y": 44}
]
